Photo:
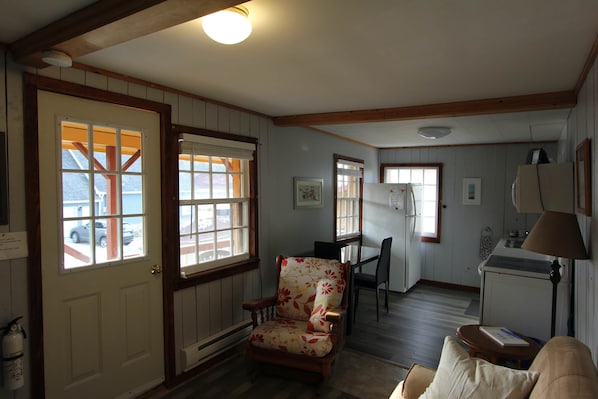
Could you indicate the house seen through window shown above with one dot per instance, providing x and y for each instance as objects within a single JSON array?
[{"x": 102, "y": 189}]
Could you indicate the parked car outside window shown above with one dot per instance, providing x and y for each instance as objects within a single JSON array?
[{"x": 81, "y": 234}]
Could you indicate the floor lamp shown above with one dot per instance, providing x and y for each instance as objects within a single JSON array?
[{"x": 557, "y": 234}]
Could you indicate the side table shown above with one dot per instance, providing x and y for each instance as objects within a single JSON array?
[{"x": 480, "y": 345}]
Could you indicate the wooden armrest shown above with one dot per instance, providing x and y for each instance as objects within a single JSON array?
[
  {"x": 261, "y": 303},
  {"x": 261, "y": 309},
  {"x": 335, "y": 315}
]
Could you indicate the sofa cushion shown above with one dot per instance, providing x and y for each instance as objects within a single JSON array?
[
  {"x": 298, "y": 282},
  {"x": 290, "y": 336},
  {"x": 461, "y": 376}
]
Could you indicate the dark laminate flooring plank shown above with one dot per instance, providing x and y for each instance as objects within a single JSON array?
[
  {"x": 412, "y": 332},
  {"x": 414, "y": 329}
]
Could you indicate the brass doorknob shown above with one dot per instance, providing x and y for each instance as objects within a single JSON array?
[{"x": 156, "y": 269}]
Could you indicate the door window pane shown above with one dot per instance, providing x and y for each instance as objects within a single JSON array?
[{"x": 102, "y": 181}]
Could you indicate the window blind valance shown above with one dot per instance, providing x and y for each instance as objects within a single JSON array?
[
  {"x": 350, "y": 172},
  {"x": 215, "y": 147},
  {"x": 348, "y": 168}
]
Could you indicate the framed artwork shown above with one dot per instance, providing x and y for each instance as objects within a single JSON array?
[
  {"x": 308, "y": 192},
  {"x": 583, "y": 180},
  {"x": 472, "y": 191}
]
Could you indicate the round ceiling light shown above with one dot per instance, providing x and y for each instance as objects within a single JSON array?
[
  {"x": 57, "y": 58},
  {"x": 433, "y": 132},
  {"x": 230, "y": 26}
]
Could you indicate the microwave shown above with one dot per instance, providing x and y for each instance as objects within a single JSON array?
[{"x": 544, "y": 187}]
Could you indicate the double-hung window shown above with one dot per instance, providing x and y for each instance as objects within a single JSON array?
[
  {"x": 215, "y": 202},
  {"x": 429, "y": 177},
  {"x": 349, "y": 188}
]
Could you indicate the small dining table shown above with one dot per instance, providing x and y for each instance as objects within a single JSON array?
[{"x": 357, "y": 255}]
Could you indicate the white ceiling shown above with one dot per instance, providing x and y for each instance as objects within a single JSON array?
[{"x": 318, "y": 56}]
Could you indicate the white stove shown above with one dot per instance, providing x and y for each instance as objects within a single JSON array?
[{"x": 516, "y": 291}]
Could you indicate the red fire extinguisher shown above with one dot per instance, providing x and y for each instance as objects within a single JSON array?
[{"x": 12, "y": 354}]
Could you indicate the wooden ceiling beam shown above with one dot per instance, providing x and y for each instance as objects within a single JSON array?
[
  {"x": 109, "y": 22},
  {"x": 532, "y": 102}
]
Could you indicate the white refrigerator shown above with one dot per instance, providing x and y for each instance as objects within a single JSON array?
[{"x": 393, "y": 210}]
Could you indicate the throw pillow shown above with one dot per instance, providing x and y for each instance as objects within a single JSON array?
[
  {"x": 461, "y": 376},
  {"x": 327, "y": 297},
  {"x": 298, "y": 282}
]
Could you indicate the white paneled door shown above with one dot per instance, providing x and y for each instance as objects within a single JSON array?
[{"x": 101, "y": 249}]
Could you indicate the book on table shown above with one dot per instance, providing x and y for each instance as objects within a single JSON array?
[{"x": 503, "y": 336}]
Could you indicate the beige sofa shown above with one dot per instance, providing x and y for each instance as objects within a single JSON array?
[{"x": 564, "y": 365}]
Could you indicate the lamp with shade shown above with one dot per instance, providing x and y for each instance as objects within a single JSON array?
[{"x": 556, "y": 234}]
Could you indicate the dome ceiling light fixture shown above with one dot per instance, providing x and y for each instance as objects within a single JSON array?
[
  {"x": 433, "y": 132},
  {"x": 57, "y": 58},
  {"x": 229, "y": 26}
]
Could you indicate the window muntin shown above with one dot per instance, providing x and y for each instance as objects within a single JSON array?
[
  {"x": 102, "y": 194},
  {"x": 214, "y": 202},
  {"x": 349, "y": 176},
  {"x": 429, "y": 177}
]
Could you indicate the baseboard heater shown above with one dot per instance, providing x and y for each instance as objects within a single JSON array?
[{"x": 199, "y": 352}]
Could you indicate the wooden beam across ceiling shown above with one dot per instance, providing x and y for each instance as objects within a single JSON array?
[
  {"x": 532, "y": 102},
  {"x": 109, "y": 22}
]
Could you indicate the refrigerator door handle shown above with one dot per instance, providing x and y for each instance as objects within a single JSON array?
[{"x": 414, "y": 204}]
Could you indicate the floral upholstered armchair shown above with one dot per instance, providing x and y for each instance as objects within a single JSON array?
[{"x": 302, "y": 327}]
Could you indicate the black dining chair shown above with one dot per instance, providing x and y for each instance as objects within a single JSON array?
[
  {"x": 374, "y": 281},
  {"x": 327, "y": 250}
]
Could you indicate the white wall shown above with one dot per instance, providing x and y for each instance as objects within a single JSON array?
[
  {"x": 583, "y": 122},
  {"x": 204, "y": 310},
  {"x": 304, "y": 153},
  {"x": 456, "y": 258},
  {"x": 13, "y": 273},
  {"x": 288, "y": 152}
]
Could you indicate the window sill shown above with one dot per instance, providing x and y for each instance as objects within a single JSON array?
[{"x": 216, "y": 274}]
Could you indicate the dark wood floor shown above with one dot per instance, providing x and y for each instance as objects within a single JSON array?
[
  {"x": 414, "y": 329},
  {"x": 412, "y": 332}
]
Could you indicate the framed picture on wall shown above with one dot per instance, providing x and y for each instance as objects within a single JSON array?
[
  {"x": 583, "y": 180},
  {"x": 308, "y": 192},
  {"x": 472, "y": 191}
]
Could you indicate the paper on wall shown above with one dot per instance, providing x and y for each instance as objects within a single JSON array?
[{"x": 13, "y": 245}]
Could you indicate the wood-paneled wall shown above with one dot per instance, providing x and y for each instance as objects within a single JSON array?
[
  {"x": 583, "y": 123},
  {"x": 456, "y": 258},
  {"x": 204, "y": 310},
  {"x": 13, "y": 273}
]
